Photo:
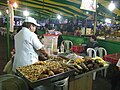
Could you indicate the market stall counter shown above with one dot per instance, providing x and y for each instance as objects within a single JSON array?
[
  {"x": 46, "y": 74},
  {"x": 58, "y": 73}
]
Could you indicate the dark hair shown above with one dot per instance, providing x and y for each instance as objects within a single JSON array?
[
  {"x": 19, "y": 28},
  {"x": 27, "y": 24},
  {"x": 93, "y": 37}
]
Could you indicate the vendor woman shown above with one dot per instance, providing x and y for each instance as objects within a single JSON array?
[{"x": 27, "y": 44}]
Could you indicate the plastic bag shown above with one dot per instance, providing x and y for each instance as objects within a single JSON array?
[{"x": 8, "y": 67}]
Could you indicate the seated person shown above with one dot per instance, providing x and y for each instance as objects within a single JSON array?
[
  {"x": 93, "y": 43},
  {"x": 115, "y": 82}
]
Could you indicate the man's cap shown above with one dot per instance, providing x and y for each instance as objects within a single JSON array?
[{"x": 31, "y": 20}]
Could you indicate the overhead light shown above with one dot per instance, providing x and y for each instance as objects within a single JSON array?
[
  {"x": 0, "y": 13},
  {"x": 97, "y": 6},
  {"x": 87, "y": 12},
  {"x": 26, "y": 13},
  {"x": 111, "y": 6},
  {"x": 7, "y": 11},
  {"x": 107, "y": 20},
  {"x": 58, "y": 17},
  {"x": 117, "y": 22},
  {"x": 101, "y": 22},
  {"x": 15, "y": 5}
]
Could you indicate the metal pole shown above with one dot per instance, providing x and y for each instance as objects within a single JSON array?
[
  {"x": 95, "y": 18},
  {"x": 8, "y": 40},
  {"x": 95, "y": 22},
  {"x": 85, "y": 26}
]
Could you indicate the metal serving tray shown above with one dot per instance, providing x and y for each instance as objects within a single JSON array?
[{"x": 49, "y": 80}]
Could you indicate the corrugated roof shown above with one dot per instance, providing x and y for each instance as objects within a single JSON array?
[{"x": 66, "y": 8}]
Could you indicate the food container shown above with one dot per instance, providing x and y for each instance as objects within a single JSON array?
[{"x": 50, "y": 42}]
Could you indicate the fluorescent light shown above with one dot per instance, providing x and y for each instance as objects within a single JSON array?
[
  {"x": 58, "y": 17},
  {"x": 7, "y": 11},
  {"x": 87, "y": 12},
  {"x": 26, "y": 13},
  {"x": 15, "y": 5},
  {"x": 111, "y": 6},
  {"x": 107, "y": 20},
  {"x": 0, "y": 13},
  {"x": 97, "y": 6}
]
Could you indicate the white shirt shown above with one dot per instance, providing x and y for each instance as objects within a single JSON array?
[
  {"x": 26, "y": 42},
  {"x": 118, "y": 63}
]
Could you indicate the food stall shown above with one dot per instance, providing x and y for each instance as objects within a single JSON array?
[{"x": 62, "y": 73}]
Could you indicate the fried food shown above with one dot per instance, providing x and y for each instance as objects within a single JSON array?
[{"x": 42, "y": 69}]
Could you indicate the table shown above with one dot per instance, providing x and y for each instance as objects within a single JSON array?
[
  {"x": 113, "y": 58},
  {"x": 83, "y": 81}
]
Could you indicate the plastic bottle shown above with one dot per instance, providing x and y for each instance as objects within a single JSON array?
[{"x": 62, "y": 48}]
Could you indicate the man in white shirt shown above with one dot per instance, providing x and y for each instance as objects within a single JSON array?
[{"x": 27, "y": 44}]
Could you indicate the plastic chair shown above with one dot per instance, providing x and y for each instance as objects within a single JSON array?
[
  {"x": 67, "y": 45},
  {"x": 97, "y": 51},
  {"x": 91, "y": 52},
  {"x": 102, "y": 51}
]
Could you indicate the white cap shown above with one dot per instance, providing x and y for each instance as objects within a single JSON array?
[{"x": 31, "y": 20}]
